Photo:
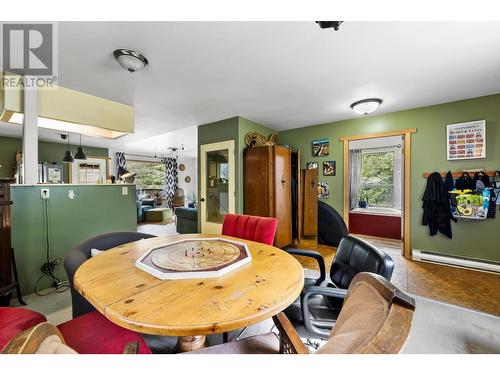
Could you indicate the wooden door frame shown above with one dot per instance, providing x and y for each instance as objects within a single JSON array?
[
  {"x": 230, "y": 146},
  {"x": 407, "y": 176}
]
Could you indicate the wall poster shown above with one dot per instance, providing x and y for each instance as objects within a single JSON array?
[{"x": 466, "y": 140}]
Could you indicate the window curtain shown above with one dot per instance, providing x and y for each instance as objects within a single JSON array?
[
  {"x": 171, "y": 180},
  {"x": 354, "y": 177},
  {"x": 120, "y": 164}
]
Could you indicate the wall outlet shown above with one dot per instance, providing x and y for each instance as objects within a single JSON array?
[
  {"x": 44, "y": 193},
  {"x": 71, "y": 194},
  {"x": 124, "y": 190}
]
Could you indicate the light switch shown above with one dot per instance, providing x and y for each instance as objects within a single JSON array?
[{"x": 124, "y": 190}]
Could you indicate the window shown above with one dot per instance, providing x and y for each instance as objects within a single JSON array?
[
  {"x": 150, "y": 175},
  {"x": 377, "y": 179}
]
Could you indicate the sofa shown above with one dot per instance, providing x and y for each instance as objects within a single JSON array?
[{"x": 186, "y": 220}]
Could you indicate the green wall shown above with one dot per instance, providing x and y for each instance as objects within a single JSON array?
[
  {"x": 95, "y": 209},
  {"x": 48, "y": 152},
  {"x": 428, "y": 153},
  {"x": 234, "y": 128}
]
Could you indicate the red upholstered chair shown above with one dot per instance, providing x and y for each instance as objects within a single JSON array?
[
  {"x": 93, "y": 333},
  {"x": 14, "y": 320},
  {"x": 252, "y": 228}
]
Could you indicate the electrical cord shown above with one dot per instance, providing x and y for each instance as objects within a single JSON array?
[{"x": 49, "y": 266}]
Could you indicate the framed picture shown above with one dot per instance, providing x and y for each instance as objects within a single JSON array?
[
  {"x": 312, "y": 165},
  {"x": 329, "y": 168},
  {"x": 466, "y": 140},
  {"x": 323, "y": 190},
  {"x": 321, "y": 147}
]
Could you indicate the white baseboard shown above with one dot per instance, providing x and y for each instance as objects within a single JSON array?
[{"x": 455, "y": 261}]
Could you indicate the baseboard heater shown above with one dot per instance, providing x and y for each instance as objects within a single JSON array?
[{"x": 455, "y": 261}]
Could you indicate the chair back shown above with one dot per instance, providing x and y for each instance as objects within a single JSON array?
[
  {"x": 354, "y": 256},
  {"x": 81, "y": 252},
  {"x": 43, "y": 338},
  {"x": 375, "y": 319},
  {"x": 331, "y": 225},
  {"x": 252, "y": 228}
]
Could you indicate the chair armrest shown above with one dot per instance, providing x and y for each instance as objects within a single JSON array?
[
  {"x": 315, "y": 255},
  {"x": 290, "y": 341},
  {"x": 306, "y": 314}
]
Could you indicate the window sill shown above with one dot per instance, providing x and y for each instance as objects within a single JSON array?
[{"x": 380, "y": 211}]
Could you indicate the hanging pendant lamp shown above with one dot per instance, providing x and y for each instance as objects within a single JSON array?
[
  {"x": 68, "y": 158},
  {"x": 80, "y": 155}
]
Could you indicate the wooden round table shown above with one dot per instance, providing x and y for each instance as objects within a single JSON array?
[{"x": 190, "y": 308}]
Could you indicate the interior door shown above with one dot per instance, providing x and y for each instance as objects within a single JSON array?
[{"x": 217, "y": 194}]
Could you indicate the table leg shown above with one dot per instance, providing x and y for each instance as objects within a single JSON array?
[{"x": 190, "y": 343}]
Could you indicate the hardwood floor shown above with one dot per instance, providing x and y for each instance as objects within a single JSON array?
[{"x": 471, "y": 289}]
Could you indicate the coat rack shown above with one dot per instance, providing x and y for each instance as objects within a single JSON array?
[{"x": 458, "y": 174}]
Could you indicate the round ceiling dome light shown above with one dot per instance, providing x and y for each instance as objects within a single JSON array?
[
  {"x": 130, "y": 60},
  {"x": 366, "y": 106}
]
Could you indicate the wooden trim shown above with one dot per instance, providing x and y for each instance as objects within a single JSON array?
[
  {"x": 407, "y": 180},
  {"x": 145, "y": 161},
  {"x": 378, "y": 135},
  {"x": 407, "y": 197},
  {"x": 346, "y": 188},
  {"x": 458, "y": 174}
]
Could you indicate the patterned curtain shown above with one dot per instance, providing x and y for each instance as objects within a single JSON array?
[
  {"x": 120, "y": 164},
  {"x": 171, "y": 179}
]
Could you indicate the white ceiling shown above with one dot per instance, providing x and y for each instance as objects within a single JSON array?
[{"x": 281, "y": 74}]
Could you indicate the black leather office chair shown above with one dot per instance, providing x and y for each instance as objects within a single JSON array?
[
  {"x": 81, "y": 252},
  {"x": 315, "y": 312}
]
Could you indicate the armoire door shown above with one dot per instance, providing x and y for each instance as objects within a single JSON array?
[
  {"x": 258, "y": 193},
  {"x": 282, "y": 195},
  {"x": 310, "y": 203}
]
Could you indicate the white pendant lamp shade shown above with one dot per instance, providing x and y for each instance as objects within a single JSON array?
[{"x": 366, "y": 106}]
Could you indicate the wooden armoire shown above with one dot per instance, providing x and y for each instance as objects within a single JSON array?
[{"x": 274, "y": 187}]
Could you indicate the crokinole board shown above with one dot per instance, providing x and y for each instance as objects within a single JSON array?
[{"x": 194, "y": 258}]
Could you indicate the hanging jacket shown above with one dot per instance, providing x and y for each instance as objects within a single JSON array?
[
  {"x": 465, "y": 182},
  {"x": 483, "y": 177},
  {"x": 449, "y": 184},
  {"x": 436, "y": 205}
]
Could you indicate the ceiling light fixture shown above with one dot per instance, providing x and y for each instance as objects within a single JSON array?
[
  {"x": 130, "y": 60},
  {"x": 366, "y": 106},
  {"x": 68, "y": 158},
  {"x": 335, "y": 25},
  {"x": 80, "y": 155}
]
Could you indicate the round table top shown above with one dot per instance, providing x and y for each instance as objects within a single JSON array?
[{"x": 136, "y": 300}]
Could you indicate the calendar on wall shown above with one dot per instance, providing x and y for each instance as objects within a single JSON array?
[{"x": 466, "y": 140}]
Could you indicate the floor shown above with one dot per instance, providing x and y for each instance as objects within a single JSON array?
[{"x": 471, "y": 289}]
